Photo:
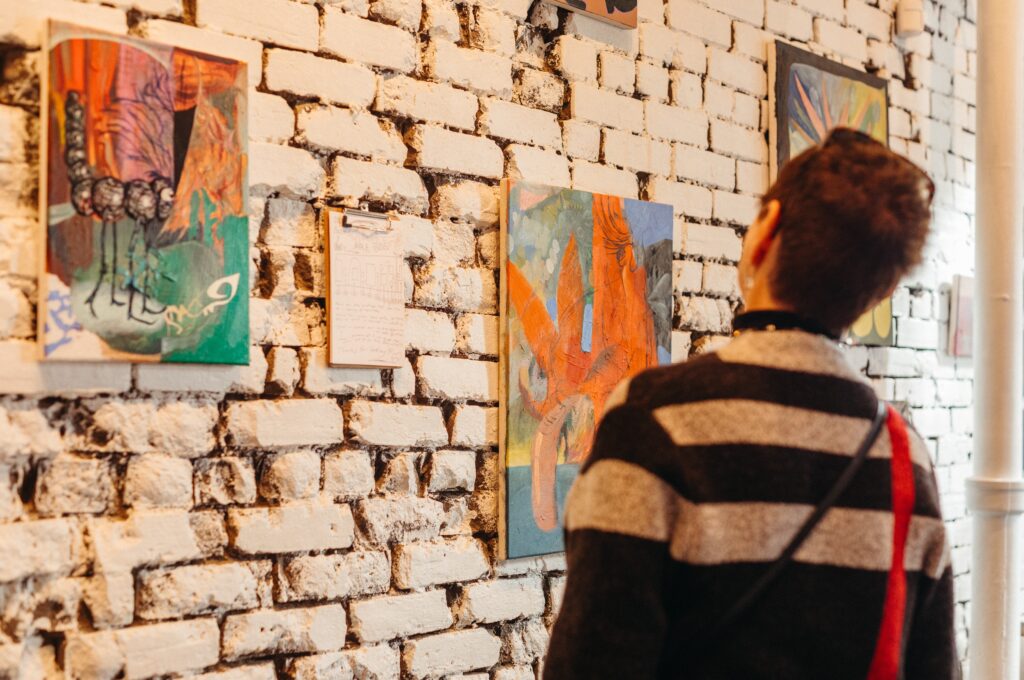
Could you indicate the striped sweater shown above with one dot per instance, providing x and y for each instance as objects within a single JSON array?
[{"x": 699, "y": 476}]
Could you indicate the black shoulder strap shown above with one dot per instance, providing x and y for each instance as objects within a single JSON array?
[{"x": 757, "y": 589}]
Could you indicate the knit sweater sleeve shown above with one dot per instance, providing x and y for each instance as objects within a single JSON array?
[
  {"x": 620, "y": 518},
  {"x": 931, "y": 644}
]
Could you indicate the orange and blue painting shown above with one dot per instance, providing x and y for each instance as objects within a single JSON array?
[
  {"x": 587, "y": 301},
  {"x": 812, "y": 96},
  {"x": 147, "y": 245}
]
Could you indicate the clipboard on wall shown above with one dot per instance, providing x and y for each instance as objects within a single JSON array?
[{"x": 365, "y": 290}]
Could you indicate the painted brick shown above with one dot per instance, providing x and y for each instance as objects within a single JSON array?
[
  {"x": 284, "y": 423},
  {"x": 279, "y": 22},
  {"x": 517, "y": 123},
  {"x": 699, "y": 20},
  {"x": 475, "y": 426},
  {"x": 146, "y": 538},
  {"x": 453, "y": 652},
  {"x": 356, "y": 180},
  {"x": 602, "y": 179},
  {"x": 311, "y": 629},
  {"x": 400, "y": 616},
  {"x": 576, "y": 59},
  {"x": 428, "y": 102},
  {"x": 332, "y": 81},
  {"x": 296, "y": 527},
  {"x": 588, "y": 103},
  {"x": 542, "y": 166},
  {"x": 676, "y": 124},
  {"x": 738, "y": 72},
  {"x": 350, "y": 37},
  {"x": 331, "y": 577},
  {"x": 581, "y": 140},
  {"x": 443, "y": 150},
  {"x": 423, "y": 564},
  {"x": 502, "y": 600},
  {"x": 375, "y": 423},
  {"x": 359, "y": 133},
  {"x": 284, "y": 169},
  {"x": 44, "y": 547},
  {"x": 634, "y": 152},
  {"x": 143, "y": 651},
  {"x": 200, "y": 589},
  {"x": 476, "y": 70}
]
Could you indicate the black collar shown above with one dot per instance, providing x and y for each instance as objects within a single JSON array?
[{"x": 777, "y": 320}]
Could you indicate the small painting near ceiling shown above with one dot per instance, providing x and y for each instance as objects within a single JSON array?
[{"x": 619, "y": 12}]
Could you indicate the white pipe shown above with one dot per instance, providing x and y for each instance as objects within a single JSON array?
[{"x": 994, "y": 493}]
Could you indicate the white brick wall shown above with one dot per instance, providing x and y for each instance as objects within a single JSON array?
[{"x": 226, "y": 522}]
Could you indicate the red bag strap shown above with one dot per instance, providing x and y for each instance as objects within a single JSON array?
[{"x": 888, "y": 650}]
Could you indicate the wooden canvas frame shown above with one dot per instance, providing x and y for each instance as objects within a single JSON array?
[{"x": 503, "y": 367}]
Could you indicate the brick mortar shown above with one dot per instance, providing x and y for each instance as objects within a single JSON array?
[{"x": 129, "y": 495}]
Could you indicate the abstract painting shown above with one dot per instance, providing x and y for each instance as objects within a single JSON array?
[
  {"x": 961, "y": 317},
  {"x": 619, "y": 12},
  {"x": 144, "y": 202},
  {"x": 811, "y": 96},
  {"x": 586, "y": 302}
]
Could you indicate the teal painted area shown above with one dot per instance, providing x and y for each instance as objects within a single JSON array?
[
  {"x": 524, "y": 538},
  {"x": 227, "y": 340}
]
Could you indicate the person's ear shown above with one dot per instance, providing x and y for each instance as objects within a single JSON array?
[{"x": 764, "y": 230}]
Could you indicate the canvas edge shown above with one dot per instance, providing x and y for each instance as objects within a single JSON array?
[
  {"x": 325, "y": 224},
  {"x": 503, "y": 368},
  {"x": 956, "y": 300},
  {"x": 44, "y": 191},
  {"x": 773, "y": 110},
  {"x": 598, "y": 17},
  {"x": 954, "y": 316}
]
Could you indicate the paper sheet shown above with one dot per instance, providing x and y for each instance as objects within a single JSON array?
[{"x": 367, "y": 297}]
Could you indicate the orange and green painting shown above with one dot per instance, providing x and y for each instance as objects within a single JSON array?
[
  {"x": 814, "y": 95},
  {"x": 588, "y": 302},
  {"x": 147, "y": 236}
]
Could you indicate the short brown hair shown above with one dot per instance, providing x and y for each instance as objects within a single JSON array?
[{"x": 854, "y": 218}]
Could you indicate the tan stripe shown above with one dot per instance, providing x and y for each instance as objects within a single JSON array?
[
  {"x": 763, "y": 423},
  {"x": 791, "y": 350},
  {"x": 617, "y": 397},
  {"x": 721, "y": 533},
  {"x": 622, "y": 498}
]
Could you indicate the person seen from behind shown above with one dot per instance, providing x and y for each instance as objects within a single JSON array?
[{"x": 757, "y": 513}]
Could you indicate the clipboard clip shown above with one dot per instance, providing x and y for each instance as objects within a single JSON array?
[{"x": 361, "y": 219}]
